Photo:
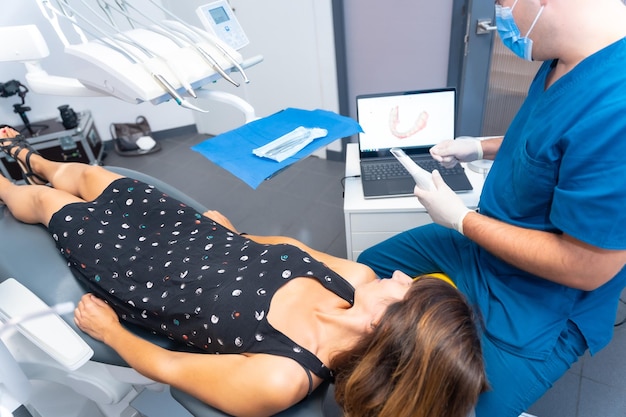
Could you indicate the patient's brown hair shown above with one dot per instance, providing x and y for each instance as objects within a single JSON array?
[{"x": 424, "y": 359}]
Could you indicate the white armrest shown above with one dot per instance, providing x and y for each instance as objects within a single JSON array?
[
  {"x": 12, "y": 379},
  {"x": 49, "y": 332}
]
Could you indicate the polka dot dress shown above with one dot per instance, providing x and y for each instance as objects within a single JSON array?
[{"x": 164, "y": 266}]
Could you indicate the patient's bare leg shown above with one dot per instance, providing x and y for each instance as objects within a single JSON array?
[
  {"x": 33, "y": 203},
  {"x": 79, "y": 179}
]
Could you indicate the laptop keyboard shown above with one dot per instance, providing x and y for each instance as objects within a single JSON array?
[{"x": 384, "y": 170}]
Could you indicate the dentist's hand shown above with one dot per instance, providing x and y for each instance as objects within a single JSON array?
[
  {"x": 462, "y": 149},
  {"x": 444, "y": 206}
]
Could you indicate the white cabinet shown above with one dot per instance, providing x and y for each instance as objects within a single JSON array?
[{"x": 371, "y": 221}]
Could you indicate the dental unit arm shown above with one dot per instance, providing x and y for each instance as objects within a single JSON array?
[{"x": 154, "y": 61}]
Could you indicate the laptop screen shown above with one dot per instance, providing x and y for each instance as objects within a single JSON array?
[{"x": 413, "y": 121}]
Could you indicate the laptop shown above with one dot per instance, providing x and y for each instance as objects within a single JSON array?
[{"x": 414, "y": 121}]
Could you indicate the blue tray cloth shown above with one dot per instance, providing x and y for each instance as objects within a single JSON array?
[{"x": 233, "y": 150}]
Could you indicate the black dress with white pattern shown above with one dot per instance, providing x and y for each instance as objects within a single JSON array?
[{"x": 166, "y": 267}]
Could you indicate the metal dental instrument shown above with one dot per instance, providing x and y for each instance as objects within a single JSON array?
[
  {"x": 291, "y": 143},
  {"x": 161, "y": 79},
  {"x": 214, "y": 64},
  {"x": 75, "y": 26},
  {"x": 196, "y": 37},
  {"x": 150, "y": 53},
  {"x": 107, "y": 38},
  {"x": 45, "y": 7},
  {"x": 107, "y": 11},
  {"x": 181, "y": 42},
  {"x": 122, "y": 5},
  {"x": 192, "y": 31},
  {"x": 203, "y": 34},
  {"x": 172, "y": 63},
  {"x": 115, "y": 44},
  {"x": 179, "y": 25},
  {"x": 122, "y": 37},
  {"x": 180, "y": 100}
]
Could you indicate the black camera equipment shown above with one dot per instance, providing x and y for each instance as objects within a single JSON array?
[
  {"x": 11, "y": 88},
  {"x": 69, "y": 118}
]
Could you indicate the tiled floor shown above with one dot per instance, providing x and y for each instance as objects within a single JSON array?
[
  {"x": 595, "y": 386},
  {"x": 305, "y": 202}
]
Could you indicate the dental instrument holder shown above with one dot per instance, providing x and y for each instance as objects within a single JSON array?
[
  {"x": 100, "y": 71},
  {"x": 104, "y": 70}
]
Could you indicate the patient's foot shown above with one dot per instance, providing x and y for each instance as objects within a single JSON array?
[{"x": 14, "y": 145}]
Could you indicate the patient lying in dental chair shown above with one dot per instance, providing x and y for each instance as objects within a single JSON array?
[{"x": 278, "y": 317}]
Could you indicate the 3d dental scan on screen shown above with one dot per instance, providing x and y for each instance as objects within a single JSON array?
[{"x": 214, "y": 208}]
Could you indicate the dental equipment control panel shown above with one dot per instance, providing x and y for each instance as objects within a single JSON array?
[{"x": 218, "y": 18}]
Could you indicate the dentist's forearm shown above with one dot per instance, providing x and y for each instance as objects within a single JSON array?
[
  {"x": 491, "y": 147},
  {"x": 555, "y": 257}
]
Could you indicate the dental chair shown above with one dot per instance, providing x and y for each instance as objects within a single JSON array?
[{"x": 28, "y": 254}]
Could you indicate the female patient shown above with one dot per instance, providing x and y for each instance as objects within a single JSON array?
[{"x": 282, "y": 316}]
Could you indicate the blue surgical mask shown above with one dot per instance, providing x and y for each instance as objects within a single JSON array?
[{"x": 522, "y": 46}]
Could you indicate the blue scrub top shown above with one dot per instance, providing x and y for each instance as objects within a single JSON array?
[{"x": 562, "y": 169}]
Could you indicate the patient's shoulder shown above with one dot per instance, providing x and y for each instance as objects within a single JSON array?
[
  {"x": 282, "y": 380},
  {"x": 291, "y": 378}
]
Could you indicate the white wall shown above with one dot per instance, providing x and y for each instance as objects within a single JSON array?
[{"x": 396, "y": 45}]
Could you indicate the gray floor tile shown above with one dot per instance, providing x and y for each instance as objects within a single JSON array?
[
  {"x": 600, "y": 400},
  {"x": 561, "y": 400},
  {"x": 609, "y": 365}
]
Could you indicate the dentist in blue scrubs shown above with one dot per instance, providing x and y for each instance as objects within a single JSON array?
[{"x": 543, "y": 257}]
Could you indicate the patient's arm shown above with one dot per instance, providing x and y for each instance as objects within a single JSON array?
[{"x": 255, "y": 385}]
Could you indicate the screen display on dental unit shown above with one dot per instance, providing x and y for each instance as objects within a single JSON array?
[{"x": 219, "y": 15}]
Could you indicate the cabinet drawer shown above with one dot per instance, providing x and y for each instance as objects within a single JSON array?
[
  {"x": 387, "y": 222},
  {"x": 362, "y": 241}
]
